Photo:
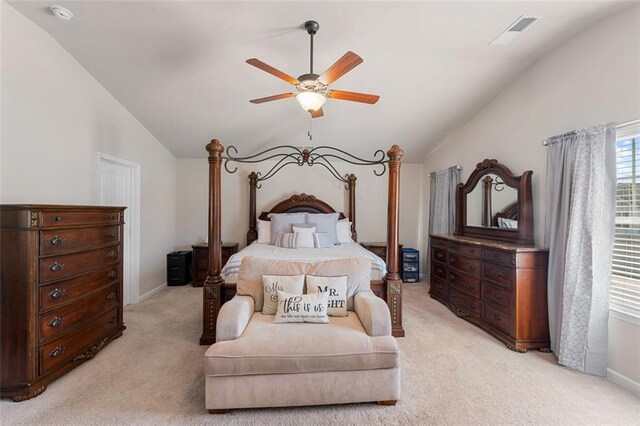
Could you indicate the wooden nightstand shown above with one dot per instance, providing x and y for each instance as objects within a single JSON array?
[
  {"x": 200, "y": 263},
  {"x": 380, "y": 249}
]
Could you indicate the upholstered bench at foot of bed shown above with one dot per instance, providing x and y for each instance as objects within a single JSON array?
[{"x": 273, "y": 365}]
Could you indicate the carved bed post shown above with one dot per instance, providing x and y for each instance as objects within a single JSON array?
[
  {"x": 212, "y": 293},
  {"x": 352, "y": 205},
  {"x": 252, "y": 234},
  {"x": 392, "y": 279}
]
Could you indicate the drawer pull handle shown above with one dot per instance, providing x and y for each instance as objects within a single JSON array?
[
  {"x": 113, "y": 274},
  {"x": 56, "y": 293},
  {"x": 452, "y": 277},
  {"x": 112, "y": 254},
  {"x": 496, "y": 296},
  {"x": 439, "y": 255},
  {"x": 56, "y": 218},
  {"x": 56, "y": 266},
  {"x": 111, "y": 296},
  {"x": 56, "y": 240},
  {"x": 56, "y": 322},
  {"x": 112, "y": 319},
  {"x": 439, "y": 271},
  {"x": 111, "y": 217},
  {"x": 496, "y": 274},
  {"x": 451, "y": 259},
  {"x": 496, "y": 317},
  {"x": 472, "y": 305},
  {"x": 471, "y": 267},
  {"x": 57, "y": 352},
  {"x": 112, "y": 234},
  {"x": 470, "y": 286}
]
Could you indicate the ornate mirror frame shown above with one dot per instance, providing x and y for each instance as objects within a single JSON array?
[{"x": 524, "y": 233}]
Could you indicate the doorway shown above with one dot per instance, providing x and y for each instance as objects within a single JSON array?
[{"x": 118, "y": 184}]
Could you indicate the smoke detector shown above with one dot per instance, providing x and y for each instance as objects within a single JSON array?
[
  {"x": 61, "y": 12},
  {"x": 521, "y": 24}
]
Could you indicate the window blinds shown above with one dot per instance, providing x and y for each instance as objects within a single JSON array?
[{"x": 625, "y": 282}]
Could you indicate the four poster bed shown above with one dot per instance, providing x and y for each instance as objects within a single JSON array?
[{"x": 220, "y": 287}]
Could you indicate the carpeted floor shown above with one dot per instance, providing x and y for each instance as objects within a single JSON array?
[{"x": 452, "y": 373}]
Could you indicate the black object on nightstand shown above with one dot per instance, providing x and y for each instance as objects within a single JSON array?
[
  {"x": 179, "y": 268},
  {"x": 410, "y": 265}
]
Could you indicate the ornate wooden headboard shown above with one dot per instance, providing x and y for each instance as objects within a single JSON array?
[{"x": 509, "y": 212}]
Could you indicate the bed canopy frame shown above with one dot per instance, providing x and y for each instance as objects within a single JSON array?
[{"x": 216, "y": 290}]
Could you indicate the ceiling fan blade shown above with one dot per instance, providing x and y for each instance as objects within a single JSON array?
[
  {"x": 272, "y": 98},
  {"x": 271, "y": 70},
  {"x": 346, "y": 63},
  {"x": 353, "y": 96},
  {"x": 317, "y": 114}
]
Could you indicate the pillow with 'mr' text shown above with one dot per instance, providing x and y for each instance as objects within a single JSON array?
[{"x": 335, "y": 287}]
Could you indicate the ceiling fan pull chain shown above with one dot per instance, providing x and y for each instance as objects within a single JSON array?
[{"x": 309, "y": 133}]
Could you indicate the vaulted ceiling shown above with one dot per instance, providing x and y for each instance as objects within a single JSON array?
[{"x": 179, "y": 67}]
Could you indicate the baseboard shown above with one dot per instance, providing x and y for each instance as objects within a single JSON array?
[
  {"x": 151, "y": 292},
  {"x": 623, "y": 381}
]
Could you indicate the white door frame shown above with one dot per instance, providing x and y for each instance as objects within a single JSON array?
[{"x": 132, "y": 277}]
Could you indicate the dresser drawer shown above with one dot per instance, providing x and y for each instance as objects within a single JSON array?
[
  {"x": 497, "y": 317},
  {"x": 498, "y": 295},
  {"x": 62, "y": 292},
  {"x": 498, "y": 273},
  {"x": 465, "y": 249},
  {"x": 61, "y": 320},
  {"x": 465, "y": 284},
  {"x": 439, "y": 287},
  {"x": 504, "y": 257},
  {"x": 57, "y": 267},
  {"x": 69, "y": 347},
  {"x": 439, "y": 271},
  {"x": 465, "y": 302},
  {"x": 437, "y": 242},
  {"x": 465, "y": 264},
  {"x": 66, "y": 218},
  {"x": 439, "y": 255},
  {"x": 62, "y": 241}
]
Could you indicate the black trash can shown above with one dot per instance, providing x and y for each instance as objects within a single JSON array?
[{"x": 179, "y": 268}]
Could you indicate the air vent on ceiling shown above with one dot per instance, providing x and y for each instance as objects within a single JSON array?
[{"x": 514, "y": 30}]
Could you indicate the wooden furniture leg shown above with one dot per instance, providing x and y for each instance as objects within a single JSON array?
[
  {"x": 393, "y": 280},
  {"x": 219, "y": 411},
  {"x": 389, "y": 402}
]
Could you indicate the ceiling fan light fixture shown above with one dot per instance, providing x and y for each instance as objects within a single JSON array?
[{"x": 311, "y": 101}]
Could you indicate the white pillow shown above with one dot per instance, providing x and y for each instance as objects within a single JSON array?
[
  {"x": 271, "y": 284},
  {"x": 343, "y": 228},
  {"x": 264, "y": 232},
  {"x": 302, "y": 308},
  {"x": 304, "y": 237},
  {"x": 335, "y": 287}
]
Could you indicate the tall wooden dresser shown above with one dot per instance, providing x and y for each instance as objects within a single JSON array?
[{"x": 60, "y": 291}]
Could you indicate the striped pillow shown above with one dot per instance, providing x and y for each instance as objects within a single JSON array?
[{"x": 287, "y": 240}]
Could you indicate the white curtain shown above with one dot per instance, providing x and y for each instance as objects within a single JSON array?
[
  {"x": 580, "y": 217},
  {"x": 442, "y": 202}
]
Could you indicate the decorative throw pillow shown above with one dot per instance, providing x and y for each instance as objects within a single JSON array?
[
  {"x": 325, "y": 222},
  {"x": 281, "y": 222},
  {"x": 302, "y": 308},
  {"x": 344, "y": 231},
  {"x": 304, "y": 236},
  {"x": 264, "y": 232},
  {"x": 287, "y": 240},
  {"x": 272, "y": 284},
  {"x": 322, "y": 240},
  {"x": 335, "y": 287}
]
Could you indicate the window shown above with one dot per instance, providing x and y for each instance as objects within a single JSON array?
[{"x": 625, "y": 280}]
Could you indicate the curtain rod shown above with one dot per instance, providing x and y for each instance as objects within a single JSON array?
[
  {"x": 448, "y": 168},
  {"x": 551, "y": 139}
]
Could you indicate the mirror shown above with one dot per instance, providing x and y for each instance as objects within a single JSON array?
[
  {"x": 495, "y": 204},
  {"x": 492, "y": 203}
]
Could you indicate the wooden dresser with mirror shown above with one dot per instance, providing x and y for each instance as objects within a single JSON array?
[{"x": 488, "y": 271}]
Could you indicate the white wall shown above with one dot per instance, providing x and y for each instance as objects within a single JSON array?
[
  {"x": 593, "y": 78},
  {"x": 56, "y": 116},
  {"x": 371, "y": 199}
]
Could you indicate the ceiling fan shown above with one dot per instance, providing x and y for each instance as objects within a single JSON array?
[{"x": 312, "y": 90}]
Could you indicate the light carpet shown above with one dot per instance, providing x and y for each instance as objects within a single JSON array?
[{"x": 452, "y": 373}]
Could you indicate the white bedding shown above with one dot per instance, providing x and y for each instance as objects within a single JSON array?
[{"x": 230, "y": 270}]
